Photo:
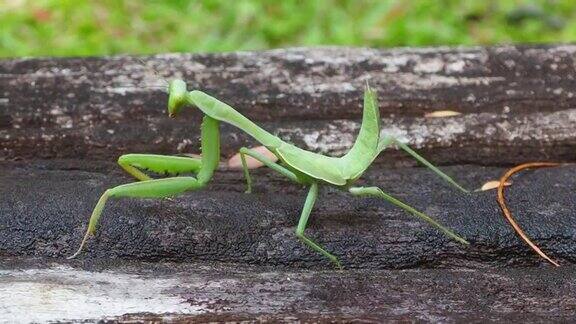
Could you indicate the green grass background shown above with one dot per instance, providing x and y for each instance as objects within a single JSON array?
[{"x": 72, "y": 28}]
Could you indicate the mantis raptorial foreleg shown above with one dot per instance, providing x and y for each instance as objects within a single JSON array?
[
  {"x": 387, "y": 140},
  {"x": 377, "y": 192},
  {"x": 306, "y": 210},
  {"x": 267, "y": 162},
  {"x": 162, "y": 188},
  {"x": 173, "y": 165}
]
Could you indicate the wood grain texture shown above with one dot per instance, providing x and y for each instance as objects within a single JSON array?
[
  {"x": 182, "y": 293},
  {"x": 517, "y": 102}
]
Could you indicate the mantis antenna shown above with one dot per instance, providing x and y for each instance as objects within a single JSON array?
[{"x": 153, "y": 70}]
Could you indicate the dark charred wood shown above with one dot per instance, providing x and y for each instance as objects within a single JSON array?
[{"x": 45, "y": 208}]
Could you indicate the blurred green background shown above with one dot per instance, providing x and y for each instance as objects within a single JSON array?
[{"x": 72, "y": 28}]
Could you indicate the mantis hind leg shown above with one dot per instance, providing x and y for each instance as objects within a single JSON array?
[
  {"x": 134, "y": 163},
  {"x": 310, "y": 200},
  {"x": 377, "y": 192},
  {"x": 386, "y": 141},
  {"x": 159, "y": 188}
]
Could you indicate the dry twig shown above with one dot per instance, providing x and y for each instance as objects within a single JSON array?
[{"x": 508, "y": 215}]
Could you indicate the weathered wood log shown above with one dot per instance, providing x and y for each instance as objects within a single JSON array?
[
  {"x": 63, "y": 123},
  {"x": 517, "y": 103}
]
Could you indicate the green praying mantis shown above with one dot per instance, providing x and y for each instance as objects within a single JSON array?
[{"x": 303, "y": 167}]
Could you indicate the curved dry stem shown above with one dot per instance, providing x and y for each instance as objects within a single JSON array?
[{"x": 506, "y": 211}]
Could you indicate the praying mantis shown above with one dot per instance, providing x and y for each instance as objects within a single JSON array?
[{"x": 298, "y": 165}]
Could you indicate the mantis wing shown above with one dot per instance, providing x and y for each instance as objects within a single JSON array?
[
  {"x": 351, "y": 166},
  {"x": 365, "y": 149}
]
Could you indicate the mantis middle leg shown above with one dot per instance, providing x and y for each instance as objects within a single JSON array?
[
  {"x": 267, "y": 162},
  {"x": 308, "y": 204},
  {"x": 160, "y": 188}
]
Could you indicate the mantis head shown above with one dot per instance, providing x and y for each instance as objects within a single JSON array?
[{"x": 176, "y": 96}]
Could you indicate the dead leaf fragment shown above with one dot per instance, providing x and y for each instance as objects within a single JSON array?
[
  {"x": 235, "y": 162},
  {"x": 493, "y": 185},
  {"x": 442, "y": 113}
]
